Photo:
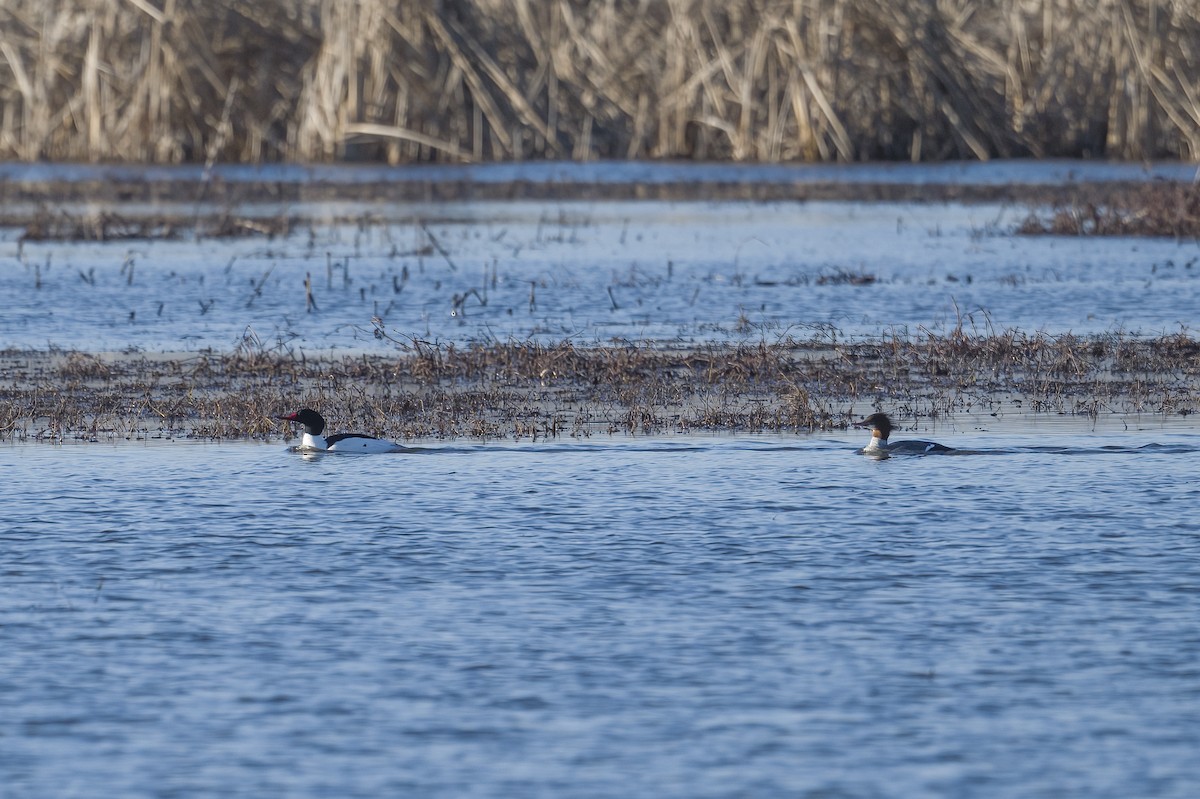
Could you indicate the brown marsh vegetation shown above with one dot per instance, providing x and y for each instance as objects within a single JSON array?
[
  {"x": 44, "y": 224},
  {"x": 1158, "y": 209},
  {"x": 531, "y": 391},
  {"x": 169, "y": 81}
]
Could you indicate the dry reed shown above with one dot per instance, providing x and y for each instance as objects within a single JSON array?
[{"x": 480, "y": 80}]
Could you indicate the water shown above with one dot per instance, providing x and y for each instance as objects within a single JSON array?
[
  {"x": 687, "y": 617},
  {"x": 667, "y": 617},
  {"x": 594, "y": 272},
  {"x": 1007, "y": 172}
]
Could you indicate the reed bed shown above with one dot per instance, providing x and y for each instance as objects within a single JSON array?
[
  {"x": 525, "y": 390},
  {"x": 172, "y": 81},
  {"x": 1161, "y": 209}
]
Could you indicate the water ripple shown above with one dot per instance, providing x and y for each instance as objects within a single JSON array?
[{"x": 725, "y": 617}]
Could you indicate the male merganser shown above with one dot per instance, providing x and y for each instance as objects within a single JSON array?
[
  {"x": 313, "y": 441},
  {"x": 881, "y": 427}
]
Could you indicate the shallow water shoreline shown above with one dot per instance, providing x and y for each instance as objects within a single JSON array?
[{"x": 536, "y": 266}]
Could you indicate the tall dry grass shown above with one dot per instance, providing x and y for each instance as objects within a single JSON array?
[{"x": 480, "y": 80}]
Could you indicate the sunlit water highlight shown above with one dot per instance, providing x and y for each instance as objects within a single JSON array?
[{"x": 696, "y": 617}]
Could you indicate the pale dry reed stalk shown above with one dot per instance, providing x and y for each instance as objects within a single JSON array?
[{"x": 481, "y": 80}]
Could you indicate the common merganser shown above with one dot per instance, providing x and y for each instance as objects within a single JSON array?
[
  {"x": 313, "y": 441},
  {"x": 881, "y": 427}
]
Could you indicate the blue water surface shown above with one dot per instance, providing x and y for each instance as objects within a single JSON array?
[
  {"x": 687, "y": 274},
  {"x": 729, "y": 617}
]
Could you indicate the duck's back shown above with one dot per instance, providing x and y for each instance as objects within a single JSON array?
[{"x": 918, "y": 447}]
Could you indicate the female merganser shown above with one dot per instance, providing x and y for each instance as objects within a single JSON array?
[
  {"x": 881, "y": 427},
  {"x": 313, "y": 441}
]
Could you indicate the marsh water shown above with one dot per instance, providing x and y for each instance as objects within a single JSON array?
[
  {"x": 678, "y": 272},
  {"x": 688, "y": 616}
]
